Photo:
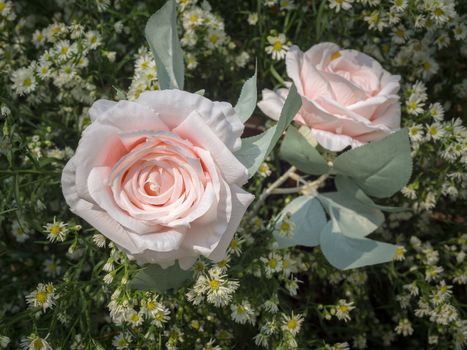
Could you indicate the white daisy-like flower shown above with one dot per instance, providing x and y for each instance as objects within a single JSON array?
[
  {"x": 24, "y": 81},
  {"x": 42, "y": 297},
  {"x": 278, "y": 47},
  {"x": 243, "y": 312},
  {"x": 337, "y": 5},
  {"x": 34, "y": 342},
  {"x": 122, "y": 341},
  {"x": 56, "y": 231},
  {"x": 292, "y": 323}
]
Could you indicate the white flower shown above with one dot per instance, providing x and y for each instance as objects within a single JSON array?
[
  {"x": 210, "y": 346},
  {"x": 273, "y": 263},
  {"x": 243, "y": 313},
  {"x": 42, "y": 297},
  {"x": 404, "y": 327},
  {"x": 292, "y": 323},
  {"x": 20, "y": 231},
  {"x": 4, "y": 341},
  {"x": 264, "y": 170},
  {"x": 215, "y": 286},
  {"x": 414, "y": 105},
  {"x": 252, "y": 18},
  {"x": 343, "y": 309},
  {"x": 24, "y": 81},
  {"x": 38, "y": 38},
  {"x": 416, "y": 132},
  {"x": 52, "y": 267},
  {"x": 34, "y": 342},
  {"x": 134, "y": 318},
  {"x": 99, "y": 240},
  {"x": 340, "y": 4},
  {"x": 435, "y": 131},
  {"x": 278, "y": 47},
  {"x": 214, "y": 38},
  {"x": 93, "y": 39},
  {"x": 122, "y": 341},
  {"x": 400, "y": 253},
  {"x": 400, "y": 5},
  {"x": 56, "y": 231},
  {"x": 286, "y": 226},
  {"x": 235, "y": 246}
]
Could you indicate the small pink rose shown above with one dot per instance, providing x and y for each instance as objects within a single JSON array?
[
  {"x": 158, "y": 176},
  {"x": 348, "y": 99}
]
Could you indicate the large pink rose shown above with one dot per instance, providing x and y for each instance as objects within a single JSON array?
[
  {"x": 158, "y": 176},
  {"x": 348, "y": 99}
]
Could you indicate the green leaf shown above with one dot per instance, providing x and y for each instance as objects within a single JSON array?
[
  {"x": 346, "y": 253},
  {"x": 161, "y": 34},
  {"x": 349, "y": 188},
  {"x": 298, "y": 151},
  {"x": 255, "y": 149},
  {"x": 308, "y": 219},
  {"x": 353, "y": 217},
  {"x": 247, "y": 101},
  {"x": 154, "y": 277},
  {"x": 381, "y": 168}
]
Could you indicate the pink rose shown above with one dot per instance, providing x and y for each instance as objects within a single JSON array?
[
  {"x": 348, "y": 99},
  {"x": 158, "y": 176}
]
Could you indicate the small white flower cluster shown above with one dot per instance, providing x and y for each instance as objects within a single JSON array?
[
  {"x": 123, "y": 311},
  {"x": 204, "y": 33},
  {"x": 431, "y": 134},
  {"x": 214, "y": 287},
  {"x": 64, "y": 57}
]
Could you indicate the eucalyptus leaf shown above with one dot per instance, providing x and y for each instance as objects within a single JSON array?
[
  {"x": 346, "y": 253},
  {"x": 246, "y": 103},
  {"x": 381, "y": 168},
  {"x": 161, "y": 34},
  {"x": 255, "y": 149},
  {"x": 353, "y": 217},
  {"x": 154, "y": 277},
  {"x": 296, "y": 150},
  {"x": 308, "y": 219},
  {"x": 349, "y": 188}
]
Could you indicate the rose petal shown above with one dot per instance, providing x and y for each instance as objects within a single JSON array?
[{"x": 232, "y": 170}]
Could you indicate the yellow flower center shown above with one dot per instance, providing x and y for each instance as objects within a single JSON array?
[
  {"x": 214, "y": 38},
  {"x": 335, "y": 55},
  {"x": 194, "y": 18},
  {"x": 64, "y": 50},
  {"x": 214, "y": 284},
  {"x": 438, "y": 12},
  {"x": 343, "y": 308},
  {"x": 135, "y": 317},
  {"x": 433, "y": 130},
  {"x": 285, "y": 226},
  {"x": 55, "y": 230},
  {"x": 277, "y": 46},
  {"x": 2, "y": 6},
  {"x": 292, "y": 324},
  {"x": 38, "y": 344},
  {"x": 41, "y": 297},
  {"x": 234, "y": 244},
  {"x": 151, "y": 306},
  {"x": 272, "y": 263},
  {"x": 27, "y": 82}
]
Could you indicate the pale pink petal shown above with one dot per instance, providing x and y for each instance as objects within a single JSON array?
[
  {"x": 272, "y": 102},
  {"x": 240, "y": 202},
  {"x": 233, "y": 171},
  {"x": 220, "y": 117},
  {"x": 99, "y": 107}
]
